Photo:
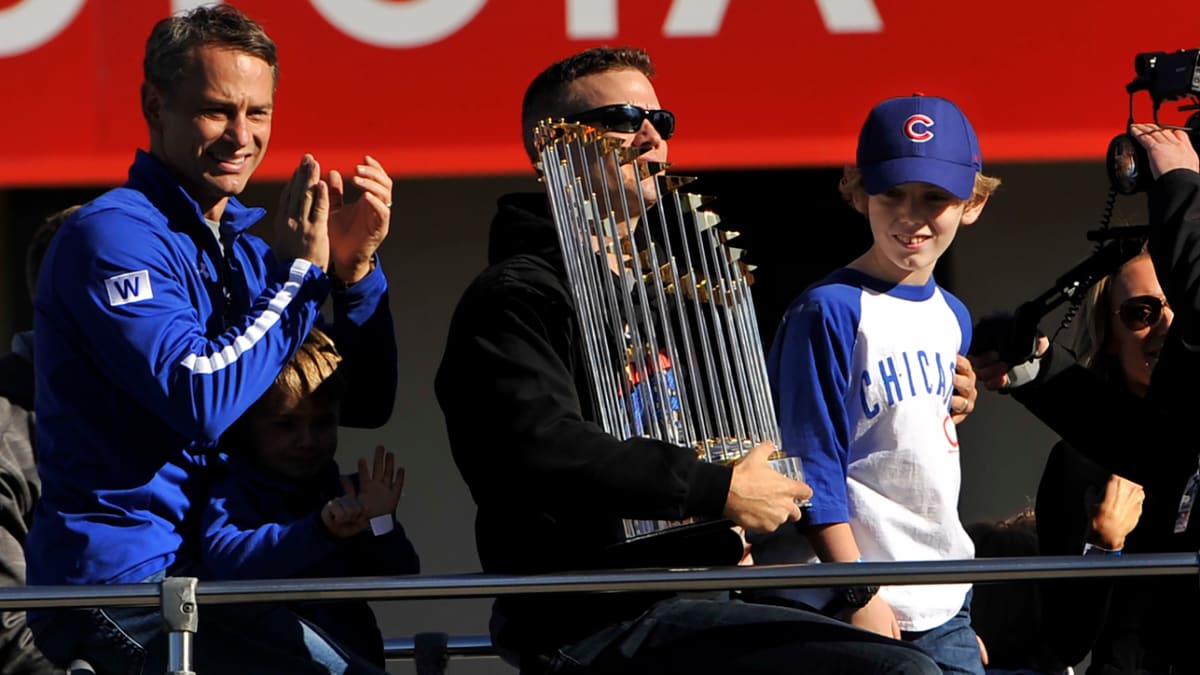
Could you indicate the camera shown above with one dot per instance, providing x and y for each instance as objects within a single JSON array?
[{"x": 1166, "y": 76}]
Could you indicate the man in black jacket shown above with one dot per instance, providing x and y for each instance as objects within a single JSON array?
[{"x": 551, "y": 486}]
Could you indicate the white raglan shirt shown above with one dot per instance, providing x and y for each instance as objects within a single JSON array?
[{"x": 862, "y": 372}]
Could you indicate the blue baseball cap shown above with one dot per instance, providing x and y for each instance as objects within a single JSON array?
[{"x": 918, "y": 139}]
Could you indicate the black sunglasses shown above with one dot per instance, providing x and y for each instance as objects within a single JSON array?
[
  {"x": 1141, "y": 311},
  {"x": 627, "y": 119}
]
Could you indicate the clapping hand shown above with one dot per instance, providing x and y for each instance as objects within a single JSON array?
[
  {"x": 356, "y": 230},
  {"x": 378, "y": 490},
  {"x": 344, "y": 516},
  {"x": 302, "y": 222},
  {"x": 378, "y": 494}
]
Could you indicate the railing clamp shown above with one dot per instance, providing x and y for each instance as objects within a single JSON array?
[{"x": 181, "y": 620}]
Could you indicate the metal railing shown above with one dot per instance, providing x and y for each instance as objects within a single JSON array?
[{"x": 179, "y": 598}]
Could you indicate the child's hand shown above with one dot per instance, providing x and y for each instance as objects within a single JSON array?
[
  {"x": 344, "y": 516},
  {"x": 876, "y": 616},
  {"x": 378, "y": 490}
]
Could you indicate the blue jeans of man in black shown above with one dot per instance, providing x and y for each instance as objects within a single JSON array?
[{"x": 688, "y": 636}]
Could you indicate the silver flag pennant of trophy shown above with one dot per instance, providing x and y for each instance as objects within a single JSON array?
[{"x": 665, "y": 311}]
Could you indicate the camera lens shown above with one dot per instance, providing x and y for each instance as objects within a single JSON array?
[{"x": 1128, "y": 169}]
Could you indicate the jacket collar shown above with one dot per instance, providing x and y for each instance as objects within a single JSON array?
[{"x": 152, "y": 178}]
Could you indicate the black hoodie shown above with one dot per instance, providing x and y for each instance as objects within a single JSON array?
[{"x": 550, "y": 485}]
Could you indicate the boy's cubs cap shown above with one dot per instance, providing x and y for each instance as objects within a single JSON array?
[{"x": 918, "y": 139}]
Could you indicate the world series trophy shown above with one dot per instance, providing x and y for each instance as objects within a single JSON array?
[{"x": 666, "y": 315}]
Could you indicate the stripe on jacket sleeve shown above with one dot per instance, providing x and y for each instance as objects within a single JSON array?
[{"x": 245, "y": 341}]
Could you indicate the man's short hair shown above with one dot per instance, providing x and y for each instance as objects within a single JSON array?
[
  {"x": 549, "y": 96},
  {"x": 40, "y": 242},
  {"x": 173, "y": 41}
]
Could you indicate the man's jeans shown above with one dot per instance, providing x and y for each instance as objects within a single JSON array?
[{"x": 699, "y": 637}]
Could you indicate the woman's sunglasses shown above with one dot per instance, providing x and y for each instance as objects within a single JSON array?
[
  {"x": 627, "y": 119},
  {"x": 1141, "y": 311}
]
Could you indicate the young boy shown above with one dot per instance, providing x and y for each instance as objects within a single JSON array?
[
  {"x": 285, "y": 511},
  {"x": 862, "y": 370}
]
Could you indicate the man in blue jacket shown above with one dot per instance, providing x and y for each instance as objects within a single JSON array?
[{"x": 160, "y": 320}]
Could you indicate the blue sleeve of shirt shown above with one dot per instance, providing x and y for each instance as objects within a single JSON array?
[
  {"x": 964, "y": 319},
  {"x": 365, "y": 336},
  {"x": 239, "y": 544},
  {"x": 964, "y": 326},
  {"x": 130, "y": 297},
  {"x": 808, "y": 367}
]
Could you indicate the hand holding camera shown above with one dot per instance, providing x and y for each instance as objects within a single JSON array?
[
  {"x": 1002, "y": 346},
  {"x": 1167, "y": 149}
]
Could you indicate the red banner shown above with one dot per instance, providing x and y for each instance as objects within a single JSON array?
[{"x": 433, "y": 87}]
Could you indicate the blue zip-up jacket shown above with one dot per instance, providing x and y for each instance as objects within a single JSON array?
[
  {"x": 259, "y": 524},
  {"x": 149, "y": 343}
]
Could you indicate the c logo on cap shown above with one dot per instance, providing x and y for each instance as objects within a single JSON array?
[{"x": 917, "y": 128}]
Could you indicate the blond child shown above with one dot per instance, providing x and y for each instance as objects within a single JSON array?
[
  {"x": 284, "y": 510},
  {"x": 863, "y": 370}
]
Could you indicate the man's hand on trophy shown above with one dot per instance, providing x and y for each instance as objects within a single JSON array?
[
  {"x": 760, "y": 498},
  {"x": 1168, "y": 149}
]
